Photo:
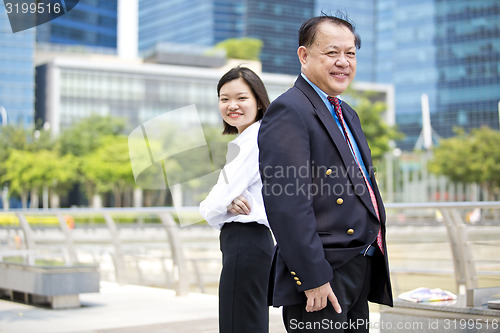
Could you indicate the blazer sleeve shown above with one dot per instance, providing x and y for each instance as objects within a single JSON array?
[{"x": 285, "y": 169}]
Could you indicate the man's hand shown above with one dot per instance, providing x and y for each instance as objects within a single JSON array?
[
  {"x": 318, "y": 298},
  {"x": 239, "y": 206}
]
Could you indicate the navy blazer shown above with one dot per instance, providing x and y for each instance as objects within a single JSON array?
[{"x": 316, "y": 199}]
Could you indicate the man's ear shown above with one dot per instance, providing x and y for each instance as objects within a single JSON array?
[{"x": 303, "y": 53}]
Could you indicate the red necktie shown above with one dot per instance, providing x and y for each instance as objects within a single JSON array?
[{"x": 338, "y": 112}]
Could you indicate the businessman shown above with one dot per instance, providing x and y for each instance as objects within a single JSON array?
[{"x": 320, "y": 193}]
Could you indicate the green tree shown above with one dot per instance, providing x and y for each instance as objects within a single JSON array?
[
  {"x": 470, "y": 158},
  {"x": 85, "y": 136},
  {"x": 18, "y": 173},
  {"x": 82, "y": 140},
  {"x": 241, "y": 48},
  {"x": 20, "y": 139},
  {"x": 378, "y": 133},
  {"x": 108, "y": 168},
  {"x": 30, "y": 171}
]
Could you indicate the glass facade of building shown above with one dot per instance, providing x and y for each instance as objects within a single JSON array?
[
  {"x": 189, "y": 22},
  {"x": 406, "y": 57},
  {"x": 276, "y": 23},
  {"x": 446, "y": 49},
  {"x": 209, "y": 22},
  {"x": 90, "y": 23},
  {"x": 17, "y": 75},
  {"x": 449, "y": 50},
  {"x": 468, "y": 64}
]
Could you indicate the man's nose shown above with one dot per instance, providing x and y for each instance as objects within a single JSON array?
[{"x": 342, "y": 61}]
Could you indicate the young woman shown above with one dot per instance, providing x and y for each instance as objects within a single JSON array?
[{"x": 235, "y": 206}]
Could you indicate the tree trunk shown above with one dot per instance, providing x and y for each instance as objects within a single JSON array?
[
  {"x": 96, "y": 201},
  {"x": 138, "y": 194},
  {"x": 24, "y": 199},
  {"x": 34, "y": 198},
  {"x": 55, "y": 201},
  {"x": 5, "y": 198},
  {"x": 118, "y": 197},
  {"x": 45, "y": 197}
]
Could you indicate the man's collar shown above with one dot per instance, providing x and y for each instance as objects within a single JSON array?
[{"x": 321, "y": 93}]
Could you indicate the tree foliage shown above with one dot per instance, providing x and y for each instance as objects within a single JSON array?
[
  {"x": 91, "y": 152},
  {"x": 241, "y": 48},
  {"x": 378, "y": 133},
  {"x": 470, "y": 158},
  {"x": 85, "y": 136},
  {"x": 108, "y": 168}
]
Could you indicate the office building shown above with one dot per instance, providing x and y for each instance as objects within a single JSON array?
[
  {"x": 17, "y": 75},
  {"x": 71, "y": 87},
  {"x": 448, "y": 50},
  {"x": 91, "y": 23},
  {"x": 276, "y": 23},
  {"x": 192, "y": 22},
  {"x": 208, "y": 22}
]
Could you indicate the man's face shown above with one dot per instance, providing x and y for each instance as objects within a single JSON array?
[{"x": 330, "y": 61}]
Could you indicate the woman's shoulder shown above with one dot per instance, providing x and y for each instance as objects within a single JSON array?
[{"x": 249, "y": 135}]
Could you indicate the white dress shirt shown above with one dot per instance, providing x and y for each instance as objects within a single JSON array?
[{"x": 240, "y": 176}]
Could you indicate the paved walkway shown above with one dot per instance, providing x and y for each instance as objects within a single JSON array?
[{"x": 123, "y": 309}]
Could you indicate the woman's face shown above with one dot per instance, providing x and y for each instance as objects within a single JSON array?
[{"x": 237, "y": 104}]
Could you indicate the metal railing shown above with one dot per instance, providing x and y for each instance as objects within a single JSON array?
[
  {"x": 458, "y": 235},
  {"x": 452, "y": 218}
]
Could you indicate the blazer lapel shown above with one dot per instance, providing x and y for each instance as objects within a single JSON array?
[{"x": 337, "y": 137}]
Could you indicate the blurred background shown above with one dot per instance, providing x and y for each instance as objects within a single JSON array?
[
  {"x": 428, "y": 76},
  {"x": 427, "y": 91}
]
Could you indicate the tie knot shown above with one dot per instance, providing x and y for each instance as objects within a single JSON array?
[
  {"x": 333, "y": 100},
  {"x": 336, "y": 105}
]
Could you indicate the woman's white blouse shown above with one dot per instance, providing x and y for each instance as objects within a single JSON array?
[{"x": 239, "y": 176}]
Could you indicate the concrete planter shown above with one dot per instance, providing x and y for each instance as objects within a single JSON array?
[{"x": 58, "y": 286}]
